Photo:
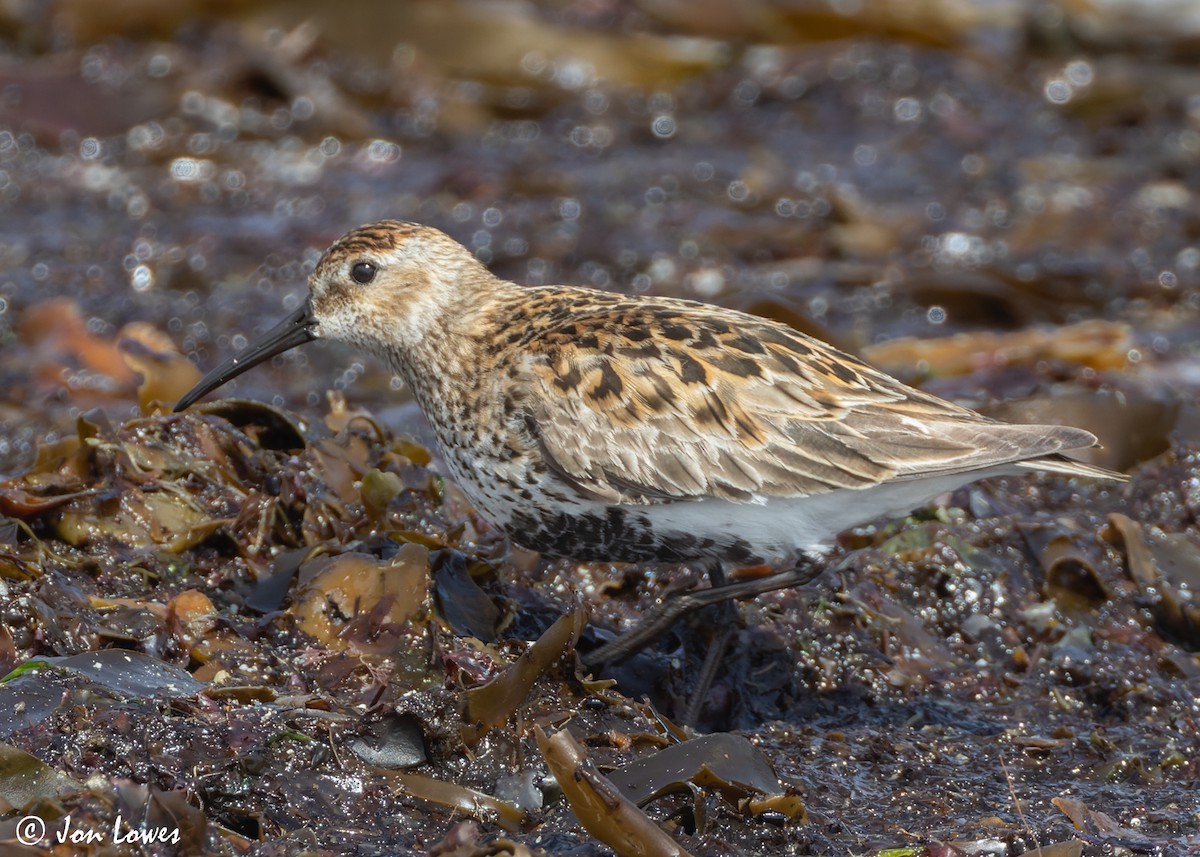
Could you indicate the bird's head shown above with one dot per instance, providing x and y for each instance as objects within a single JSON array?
[{"x": 385, "y": 288}]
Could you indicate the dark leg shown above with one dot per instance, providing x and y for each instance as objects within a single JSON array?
[
  {"x": 669, "y": 612},
  {"x": 726, "y": 619}
]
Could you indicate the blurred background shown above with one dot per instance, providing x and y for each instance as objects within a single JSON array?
[
  {"x": 1023, "y": 173},
  {"x": 995, "y": 199}
]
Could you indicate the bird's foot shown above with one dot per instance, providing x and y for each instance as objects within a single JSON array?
[{"x": 663, "y": 617}]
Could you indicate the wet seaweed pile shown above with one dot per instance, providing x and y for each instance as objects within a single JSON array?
[
  {"x": 270, "y": 625},
  {"x": 280, "y": 635}
]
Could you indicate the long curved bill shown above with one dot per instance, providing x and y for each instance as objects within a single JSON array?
[{"x": 294, "y": 330}]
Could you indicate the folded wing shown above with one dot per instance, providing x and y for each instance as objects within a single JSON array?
[{"x": 684, "y": 401}]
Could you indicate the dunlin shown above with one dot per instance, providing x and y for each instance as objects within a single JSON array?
[{"x": 600, "y": 426}]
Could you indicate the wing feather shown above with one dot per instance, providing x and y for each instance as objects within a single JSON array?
[{"x": 721, "y": 404}]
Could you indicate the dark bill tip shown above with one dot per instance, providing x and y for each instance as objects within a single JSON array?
[{"x": 294, "y": 330}]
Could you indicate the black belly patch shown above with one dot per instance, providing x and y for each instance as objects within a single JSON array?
[{"x": 621, "y": 536}]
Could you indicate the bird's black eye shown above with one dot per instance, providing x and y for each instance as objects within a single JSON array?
[{"x": 363, "y": 272}]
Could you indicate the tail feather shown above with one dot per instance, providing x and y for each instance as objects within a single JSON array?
[{"x": 1070, "y": 467}]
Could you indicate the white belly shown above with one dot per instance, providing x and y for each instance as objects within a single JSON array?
[{"x": 780, "y": 529}]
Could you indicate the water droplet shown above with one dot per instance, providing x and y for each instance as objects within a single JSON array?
[
  {"x": 663, "y": 127},
  {"x": 141, "y": 278}
]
